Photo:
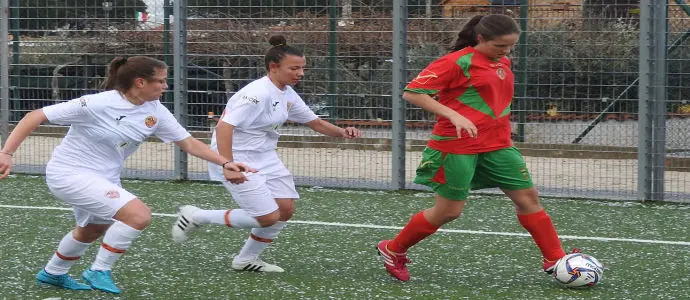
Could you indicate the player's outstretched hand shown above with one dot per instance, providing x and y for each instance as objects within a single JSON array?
[
  {"x": 5, "y": 165},
  {"x": 351, "y": 133}
]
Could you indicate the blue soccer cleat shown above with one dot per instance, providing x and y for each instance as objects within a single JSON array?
[
  {"x": 62, "y": 281},
  {"x": 100, "y": 280}
]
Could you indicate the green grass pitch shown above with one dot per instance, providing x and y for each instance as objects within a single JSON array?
[{"x": 329, "y": 251}]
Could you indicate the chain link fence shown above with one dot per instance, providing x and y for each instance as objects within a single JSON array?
[{"x": 576, "y": 114}]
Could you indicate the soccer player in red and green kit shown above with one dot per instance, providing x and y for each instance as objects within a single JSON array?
[{"x": 470, "y": 146}]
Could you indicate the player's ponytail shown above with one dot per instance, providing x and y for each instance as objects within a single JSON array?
[
  {"x": 489, "y": 27},
  {"x": 467, "y": 37},
  {"x": 280, "y": 48},
  {"x": 110, "y": 81}
]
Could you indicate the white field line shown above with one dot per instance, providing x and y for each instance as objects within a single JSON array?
[{"x": 566, "y": 237}]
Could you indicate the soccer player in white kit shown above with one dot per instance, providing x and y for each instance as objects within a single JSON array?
[
  {"x": 84, "y": 170},
  {"x": 248, "y": 132}
]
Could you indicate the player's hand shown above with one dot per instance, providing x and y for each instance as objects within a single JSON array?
[
  {"x": 239, "y": 167},
  {"x": 235, "y": 177},
  {"x": 5, "y": 165},
  {"x": 461, "y": 123},
  {"x": 351, "y": 133}
]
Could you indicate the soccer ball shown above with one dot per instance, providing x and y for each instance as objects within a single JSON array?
[{"x": 578, "y": 270}]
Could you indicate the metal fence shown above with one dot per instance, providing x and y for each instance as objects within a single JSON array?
[{"x": 601, "y": 107}]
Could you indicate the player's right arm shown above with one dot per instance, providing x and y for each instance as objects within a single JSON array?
[
  {"x": 25, "y": 127},
  {"x": 64, "y": 113},
  {"x": 435, "y": 77},
  {"x": 426, "y": 102},
  {"x": 224, "y": 132},
  {"x": 240, "y": 112}
]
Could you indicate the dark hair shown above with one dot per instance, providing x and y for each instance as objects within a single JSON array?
[
  {"x": 279, "y": 50},
  {"x": 123, "y": 71},
  {"x": 490, "y": 27}
]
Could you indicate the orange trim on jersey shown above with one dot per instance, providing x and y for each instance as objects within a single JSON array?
[
  {"x": 227, "y": 218},
  {"x": 259, "y": 239},
  {"x": 111, "y": 248},
  {"x": 66, "y": 257}
]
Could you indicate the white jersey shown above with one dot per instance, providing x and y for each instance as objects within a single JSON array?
[
  {"x": 257, "y": 111},
  {"x": 106, "y": 129}
]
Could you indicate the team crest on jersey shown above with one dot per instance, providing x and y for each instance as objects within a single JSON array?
[
  {"x": 425, "y": 76},
  {"x": 150, "y": 121},
  {"x": 501, "y": 73},
  {"x": 112, "y": 194}
]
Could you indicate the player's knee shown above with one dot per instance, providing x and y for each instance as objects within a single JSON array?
[
  {"x": 286, "y": 213},
  {"x": 141, "y": 219},
  {"x": 527, "y": 202},
  {"x": 269, "y": 219}
]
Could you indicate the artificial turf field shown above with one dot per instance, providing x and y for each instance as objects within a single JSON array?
[{"x": 328, "y": 250}]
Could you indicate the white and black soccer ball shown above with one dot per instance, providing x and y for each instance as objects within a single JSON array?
[{"x": 578, "y": 270}]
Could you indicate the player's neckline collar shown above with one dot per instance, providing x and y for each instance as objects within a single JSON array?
[{"x": 124, "y": 97}]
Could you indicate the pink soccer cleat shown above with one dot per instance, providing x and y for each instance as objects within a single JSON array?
[{"x": 395, "y": 263}]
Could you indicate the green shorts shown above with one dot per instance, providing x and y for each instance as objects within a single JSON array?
[{"x": 453, "y": 175}]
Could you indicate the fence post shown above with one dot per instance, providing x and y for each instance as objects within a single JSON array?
[
  {"x": 332, "y": 58},
  {"x": 16, "y": 67},
  {"x": 180, "y": 79},
  {"x": 520, "y": 104},
  {"x": 398, "y": 104},
  {"x": 652, "y": 101},
  {"x": 4, "y": 72}
]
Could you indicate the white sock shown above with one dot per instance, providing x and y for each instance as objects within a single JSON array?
[
  {"x": 66, "y": 255},
  {"x": 116, "y": 241},
  {"x": 233, "y": 218},
  {"x": 258, "y": 240}
]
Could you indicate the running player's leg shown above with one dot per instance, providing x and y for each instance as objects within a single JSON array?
[
  {"x": 282, "y": 187},
  {"x": 100, "y": 202},
  {"x": 72, "y": 246},
  {"x": 449, "y": 175},
  {"x": 248, "y": 259},
  {"x": 257, "y": 209},
  {"x": 508, "y": 170}
]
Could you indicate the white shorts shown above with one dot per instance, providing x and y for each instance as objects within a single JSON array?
[
  {"x": 257, "y": 195},
  {"x": 95, "y": 199}
]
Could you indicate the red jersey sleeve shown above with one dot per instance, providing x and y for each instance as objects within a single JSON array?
[{"x": 435, "y": 77}]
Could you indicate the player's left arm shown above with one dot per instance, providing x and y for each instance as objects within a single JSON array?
[
  {"x": 199, "y": 149},
  {"x": 324, "y": 127}
]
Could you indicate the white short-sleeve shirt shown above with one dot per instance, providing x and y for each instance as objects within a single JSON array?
[
  {"x": 257, "y": 111},
  {"x": 106, "y": 129}
]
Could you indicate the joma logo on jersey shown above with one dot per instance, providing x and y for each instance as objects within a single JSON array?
[
  {"x": 150, "y": 121},
  {"x": 425, "y": 76}
]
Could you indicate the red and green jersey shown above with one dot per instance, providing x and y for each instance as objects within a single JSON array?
[{"x": 478, "y": 88}]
